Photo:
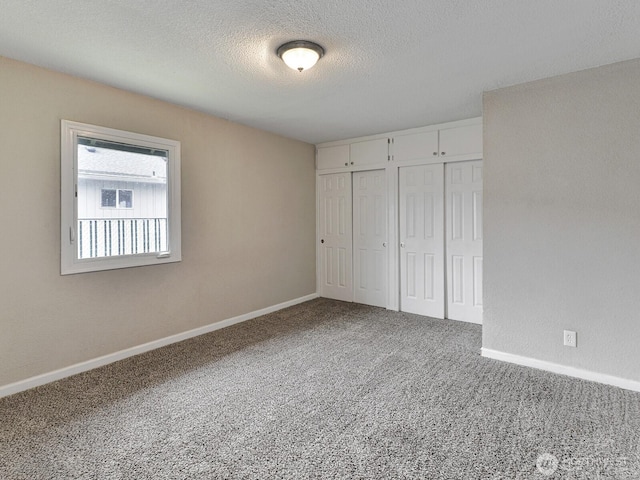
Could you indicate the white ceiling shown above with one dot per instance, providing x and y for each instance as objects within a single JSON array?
[{"x": 389, "y": 65}]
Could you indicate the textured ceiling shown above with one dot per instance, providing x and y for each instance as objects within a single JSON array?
[{"x": 389, "y": 65}]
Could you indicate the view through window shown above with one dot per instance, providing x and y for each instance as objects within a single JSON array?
[{"x": 109, "y": 176}]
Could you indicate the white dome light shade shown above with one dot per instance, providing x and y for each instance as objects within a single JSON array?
[
  {"x": 300, "y": 58},
  {"x": 300, "y": 55}
]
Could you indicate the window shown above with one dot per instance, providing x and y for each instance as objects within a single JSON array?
[
  {"x": 120, "y": 199},
  {"x": 125, "y": 199},
  {"x": 116, "y": 198},
  {"x": 109, "y": 198}
]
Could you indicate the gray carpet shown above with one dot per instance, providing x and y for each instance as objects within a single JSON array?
[{"x": 322, "y": 390}]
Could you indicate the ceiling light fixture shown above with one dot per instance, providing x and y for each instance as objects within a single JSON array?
[{"x": 300, "y": 54}]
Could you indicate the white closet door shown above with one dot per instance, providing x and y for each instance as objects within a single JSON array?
[
  {"x": 422, "y": 240},
  {"x": 370, "y": 237},
  {"x": 464, "y": 240},
  {"x": 336, "y": 236}
]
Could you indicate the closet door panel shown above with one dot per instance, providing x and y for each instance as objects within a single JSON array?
[
  {"x": 370, "y": 237},
  {"x": 422, "y": 240},
  {"x": 464, "y": 240},
  {"x": 335, "y": 236}
]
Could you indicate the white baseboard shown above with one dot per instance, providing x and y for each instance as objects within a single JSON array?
[
  {"x": 38, "y": 380},
  {"x": 562, "y": 369}
]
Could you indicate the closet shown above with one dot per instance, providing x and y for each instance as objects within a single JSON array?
[
  {"x": 422, "y": 288},
  {"x": 400, "y": 220},
  {"x": 370, "y": 237},
  {"x": 441, "y": 238},
  {"x": 335, "y": 231},
  {"x": 463, "y": 207},
  {"x": 353, "y": 236}
]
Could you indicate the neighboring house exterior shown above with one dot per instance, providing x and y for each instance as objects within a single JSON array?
[{"x": 122, "y": 202}]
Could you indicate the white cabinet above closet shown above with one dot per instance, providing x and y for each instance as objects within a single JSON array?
[
  {"x": 370, "y": 152},
  {"x": 455, "y": 141},
  {"x": 458, "y": 141},
  {"x": 333, "y": 157},
  {"x": 437, "y": 145},
  {"x": 354, "y": 155},
  {"x": 415, "y": 146}
]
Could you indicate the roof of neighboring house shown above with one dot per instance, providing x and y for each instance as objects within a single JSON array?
[{"x": 111, "y": 164}]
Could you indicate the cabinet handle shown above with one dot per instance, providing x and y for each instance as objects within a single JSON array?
[
  {"x": 444, "y": 153},
  {"x": 401, "y": 244},
  {"x": 322, "y": 240},
  {"x": 346, "y": 164},
  {"x": 384, "y": 244},
  {"x": 435, "y": 154}
]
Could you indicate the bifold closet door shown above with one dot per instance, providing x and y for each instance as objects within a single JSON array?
[
  {"x": 464, "y": 240},
  {"x": 335, "y": 236},
  {"x": 422, "y": 240},
  {"x": 370, "y": 262}
]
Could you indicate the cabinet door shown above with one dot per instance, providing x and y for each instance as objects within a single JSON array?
[
  {"x": 370, "y": 152},
  {"x": 422, "y": 240},
  {"x": 463, "y": 207},
  {"x": 370, "y": 262},
  {"x": 335, "y": 230},
  {"x": 416, "y": 146},
  {"x": 461, "y": 141},
  {"x": 333, "y": 157}
]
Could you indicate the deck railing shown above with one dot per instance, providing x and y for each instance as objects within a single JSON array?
[{"x": 106, "y": 237}]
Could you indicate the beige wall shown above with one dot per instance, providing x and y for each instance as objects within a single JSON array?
[
  {"x": 562, "y": 219},
  {"x": 248, "y": 226}
]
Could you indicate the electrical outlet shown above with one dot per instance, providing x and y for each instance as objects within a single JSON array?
[{"x": 570, "y": 338}]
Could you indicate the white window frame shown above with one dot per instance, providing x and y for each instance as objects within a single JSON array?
[{"x": 70, "y": 263}]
